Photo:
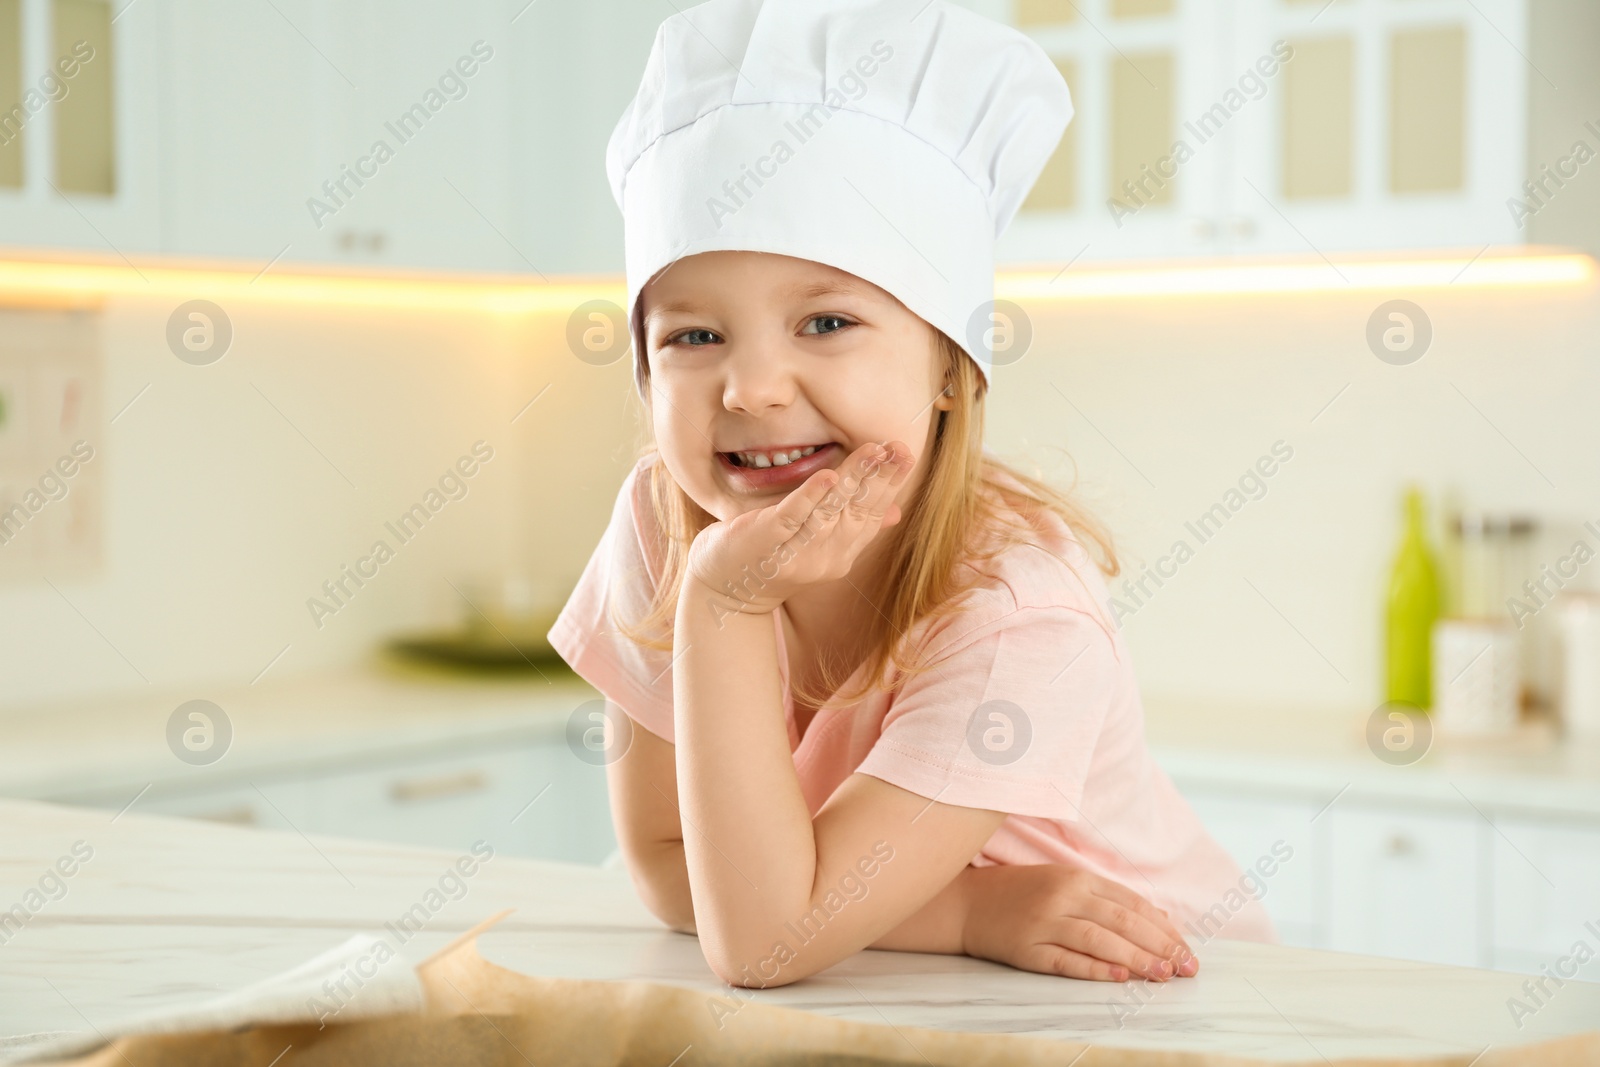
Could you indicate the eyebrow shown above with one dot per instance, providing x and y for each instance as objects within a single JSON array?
[{"x": 799, "y": 292}]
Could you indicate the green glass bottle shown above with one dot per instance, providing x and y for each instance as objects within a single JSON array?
[{"x": 1413, "y": 607}]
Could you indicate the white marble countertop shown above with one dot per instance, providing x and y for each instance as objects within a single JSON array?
[
  {"x": 100, "y": 746},
  {"x": 1324, "y": 754},
  {"x": 166, "y": 912},
  {"x": 366, "y": 711}
]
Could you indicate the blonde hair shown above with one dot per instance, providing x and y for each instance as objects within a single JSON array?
[{"x": 946, "y": 523}]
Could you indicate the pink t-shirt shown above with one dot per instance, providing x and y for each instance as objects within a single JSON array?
[{"x": 1033, "y": 709}]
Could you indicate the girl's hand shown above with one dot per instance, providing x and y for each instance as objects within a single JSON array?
[
  {"x": 1055, "y": 919},
  {"x": 757, "y": 560}
]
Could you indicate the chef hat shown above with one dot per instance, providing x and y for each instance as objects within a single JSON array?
[{"x": 893, "y": 139}]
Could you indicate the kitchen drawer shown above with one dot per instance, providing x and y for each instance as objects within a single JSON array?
[
  {"x": 572, "y": 819},
  {"x": 1250, "y": 827},
  {"x": 270, "y": 805},
  {"x": 1546, "y": 889},
  {"x": 1407, "y": 884},
  {"x": 533, "y": 800}
]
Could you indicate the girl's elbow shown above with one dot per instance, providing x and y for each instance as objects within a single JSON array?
[
  {"x": 735, "y": 967},
  {"x": 766, "y": 967},
  {"x": 746, "y": 975}
]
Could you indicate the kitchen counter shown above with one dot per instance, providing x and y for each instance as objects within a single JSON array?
[
  {"x": 1324, "y": 755},
  {"x": 166, "y": 912},
  {"x": 103, "y": 748},
  {"x": 374, "y": 711}
]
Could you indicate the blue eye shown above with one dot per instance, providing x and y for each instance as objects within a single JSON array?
[
  {"x": 669, "y": 342},
  {"x": 833, "y": 318},
  {"x": 682, "y": 337}
]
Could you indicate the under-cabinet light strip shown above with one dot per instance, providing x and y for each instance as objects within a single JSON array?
[
  {"x": 67, "y": 281},
  {"x": 1301, "y": 276}
]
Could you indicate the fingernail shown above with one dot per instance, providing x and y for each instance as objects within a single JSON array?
[{"x": 1188, "y": 966}]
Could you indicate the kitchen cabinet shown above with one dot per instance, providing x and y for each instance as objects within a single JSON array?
[
  {"x": 282, "y": 805},
  {"x": 1394, "y": 125},
  {"x": 79, "y": 166},
  {"x": 1136, "y": 71},
  {"x": 1462, "y": 883},
  {"x": 529, "y": 798},
  {"x": 246, "y": 103},
  {"x": 358, "y": 133},
  {"x": 1404, "y": 883},
  {"x": 1253, "y": 826},
  {"x": 532, "y": 800},
  {"x": 1546, "y": 888},
  {"x": 1202, "y": 127},
  {"x": 1279, "y": 126}
]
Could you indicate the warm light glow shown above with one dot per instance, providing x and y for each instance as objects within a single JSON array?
[
  {"x": 1314, "y": 275},
  {"x": 58, "y": 281},
  {"x": 37, "y": 280}
]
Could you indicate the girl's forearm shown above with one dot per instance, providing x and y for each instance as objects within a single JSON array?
[
  {"x": 661, "y": 878},
  {"x": 663, "y": 882},
  {"x": 938, "y": 926},
  {"x": 749, "y": 847}
]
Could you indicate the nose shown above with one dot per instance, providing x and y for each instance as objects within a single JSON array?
[{"x": 757, "y": 378}]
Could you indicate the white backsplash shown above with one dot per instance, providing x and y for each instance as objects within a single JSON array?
[{"x": 234, "y": 491}]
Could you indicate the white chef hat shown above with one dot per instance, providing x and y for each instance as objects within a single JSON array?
[{"x": 893, "y": 139}]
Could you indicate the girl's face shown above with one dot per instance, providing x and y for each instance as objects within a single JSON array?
[{"x": 753, "y": 356}]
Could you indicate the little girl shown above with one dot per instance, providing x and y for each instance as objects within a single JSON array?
[{"x": 878, "y": 699}]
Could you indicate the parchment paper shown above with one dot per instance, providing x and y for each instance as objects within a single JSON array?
[{"x": 479, "y": 1015}]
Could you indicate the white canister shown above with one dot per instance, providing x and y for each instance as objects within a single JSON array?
[
  {"x": 1477, "y": 677},
  {"x": 1578, "y": 617}
]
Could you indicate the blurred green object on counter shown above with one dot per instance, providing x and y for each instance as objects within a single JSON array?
[
  {"x": 489, "y": 649},
  {"x": 1413, "y": 607}
]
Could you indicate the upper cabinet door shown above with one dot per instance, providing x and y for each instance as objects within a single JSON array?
[
  {"x": 78, "y": 141},
  {"x": 1395, "y": 124},
  {"x": 358, "y": 132},
  {"x": 1139, "y": 171},
  {"x": 412, "y": 162},
  {"x": 472, "y": 137},
  {"x": 1217, "y": 126},
  {"x": 245, "y": 101}
]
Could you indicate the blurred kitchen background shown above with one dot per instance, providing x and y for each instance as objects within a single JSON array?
[{"x": 281, "y": 280}]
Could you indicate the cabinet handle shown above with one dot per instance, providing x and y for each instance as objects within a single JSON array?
[
  {"x": 242, "y": 815},
  {"x": 1401, "y": 845},
  {"x": 407, "y": 790}
]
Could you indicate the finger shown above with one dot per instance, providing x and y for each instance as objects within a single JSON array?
[
  {"x": 903, "y": 461},
  {"x": 1054, "y": 959},
  {"x": 794, "y": 510},
  {"x": 870, "y": 490},
  {"x": 1121, "y": 894},
  {"x": 1087, "y": 936},
  {"x": 1161, "y": 953},
  {"x": 858, "y": 467}
]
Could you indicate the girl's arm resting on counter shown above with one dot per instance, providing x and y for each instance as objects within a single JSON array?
[
  {"x": 643, "y": 787},
  {"x": 779, "y": 893},
  {"x": 1050, "y": 918},
  {"x": 644, "y": 799}
]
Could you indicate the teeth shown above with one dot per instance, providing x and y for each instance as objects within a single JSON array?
[{"x": 761, "y": 460}]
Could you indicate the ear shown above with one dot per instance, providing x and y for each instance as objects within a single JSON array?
[{"x": 947, "y": 399}]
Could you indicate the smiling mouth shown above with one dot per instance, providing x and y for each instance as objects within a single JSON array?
[{"x": 763, "y": 458}]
